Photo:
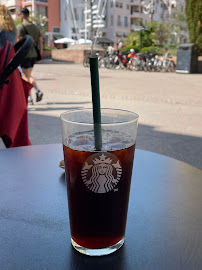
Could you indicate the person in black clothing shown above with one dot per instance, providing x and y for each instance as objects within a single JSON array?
[{"x": 27, "y": 27}]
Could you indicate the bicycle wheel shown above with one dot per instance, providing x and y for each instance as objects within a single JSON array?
[
  {"x": 116, "y": 63},
  {"x": 101, "y": 62},
  {"x": 86, "y": 62},
  {"x": 131, "y": 65},
  {"x": 172, "y": 66}
]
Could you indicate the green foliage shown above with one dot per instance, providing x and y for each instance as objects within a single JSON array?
[
  {"x": 137, "y": 40},
  {"x": 159, "y": 32},
  {"x": 178, "y": 25},
  {"x": 173, "y": 51},
  {"x": 17, "y": 21},
  {"x": 153, "y": 49},
  {"x": 47, "y": 48},
  {"x": 194, "y": 21},
  {"x": 160, "y": 50},
  {"x": 155, "y": 39},
  {"x": 130, "y": 46}
]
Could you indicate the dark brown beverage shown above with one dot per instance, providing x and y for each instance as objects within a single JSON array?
[{"x": 98, "y": 186}]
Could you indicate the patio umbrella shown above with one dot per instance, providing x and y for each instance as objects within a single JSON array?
[
  {"x": 64, "y": 40},
  {"x": 84, "y": 41},
  {"x": 13, "y": 96}
]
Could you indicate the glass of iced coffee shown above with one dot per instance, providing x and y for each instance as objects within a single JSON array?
[{"x": 98, "y": 181}]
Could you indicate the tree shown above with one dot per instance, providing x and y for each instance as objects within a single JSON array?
[
  {"x": 194, "y": 21},
  {"x": 160, "y": 32},
  {"x": 178, "y": 25},
  {"x": 138, "y": 40}
]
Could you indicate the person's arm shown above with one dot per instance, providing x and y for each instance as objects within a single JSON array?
[
  {"x": 20, "y": 32},
  {"x": 41, "y": 44}
]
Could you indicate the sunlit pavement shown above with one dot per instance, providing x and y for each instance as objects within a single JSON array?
[{"x": 169, "y": 106}]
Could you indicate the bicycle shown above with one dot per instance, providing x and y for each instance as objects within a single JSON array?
[
  {"x": 122, "y": 60},
  {"x": 86, "y": 61}
]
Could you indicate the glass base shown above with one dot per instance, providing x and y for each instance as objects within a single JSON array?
[{"x": 97, "y": 252}]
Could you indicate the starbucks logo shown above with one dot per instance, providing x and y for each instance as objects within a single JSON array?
[{"x": 101, "y": 172}]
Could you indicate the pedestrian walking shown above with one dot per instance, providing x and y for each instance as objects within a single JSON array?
[
  {"x": 7, "y": 27},
  {"x": 27, "y": 27},
  {"x": 120, "y": 44}
]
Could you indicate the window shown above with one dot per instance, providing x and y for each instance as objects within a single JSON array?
[
  {"x": 112, "y": 20},
  {"x": 128, "y": 7},
  {"x": 75, "y": 14},
  {"x": 119, "y": 34},
  {"x": 126, "y": 21},
  {"x": 119, "y": 20},
  {"x": 42, "y": 1},
  {"x": 65, "y": 13},
  {"x": 82, "y": 15},
  {"x": 42, "y": 10},
  {"x": 74, "y": 30},
  {"x": 119, "y": 5},
  {"x": 56, "y": 29}
]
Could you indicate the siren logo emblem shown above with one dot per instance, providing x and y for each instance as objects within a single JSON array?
[{"x": 101, "y": 172}]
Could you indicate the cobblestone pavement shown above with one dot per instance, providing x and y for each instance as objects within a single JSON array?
[{"x": 169, "y": 106}]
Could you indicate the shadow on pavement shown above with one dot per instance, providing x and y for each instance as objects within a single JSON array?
[
  {"x": 46, "y": 79},
  {"x": 83, "y": 102},
  {"x": 54, "y": 109},
  {"x": 46, "y": 61},
  {"x": 47, "y": 130},
  {"x": 42, "y": 109}
]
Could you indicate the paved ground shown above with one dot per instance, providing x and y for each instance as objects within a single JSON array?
[{"x": 169, "y": 105}]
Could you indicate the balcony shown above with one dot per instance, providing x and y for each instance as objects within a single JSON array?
[
  {"x": 136, "y": 15},
  {"x": 135, "y": 2}
]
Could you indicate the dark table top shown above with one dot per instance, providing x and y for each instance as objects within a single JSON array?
[{"x": 164, "y": 227}]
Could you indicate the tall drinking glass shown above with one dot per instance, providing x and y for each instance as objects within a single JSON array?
[{"x": 98, "y": 182}]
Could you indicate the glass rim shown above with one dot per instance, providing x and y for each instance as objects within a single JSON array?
[{"x": 62, "y": 116}]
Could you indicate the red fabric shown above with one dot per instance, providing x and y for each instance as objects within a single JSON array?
[{"x": 13, "y": 105}]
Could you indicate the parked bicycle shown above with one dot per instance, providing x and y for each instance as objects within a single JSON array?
[
  {"x": 168, "y": 63},
  {"x": 86, "y": 61},
  {"x": 121, "y": 60},
  {"x": 138, "y": 62}
]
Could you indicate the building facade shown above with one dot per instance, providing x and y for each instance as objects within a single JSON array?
[
  {"x": 120, "y": 17},
  {"x": 47, "y": 10},
  {"x": 70, "y": 18}
]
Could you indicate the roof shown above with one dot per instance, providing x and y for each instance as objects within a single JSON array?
[
  {"x": 185, "y": 45},
  {"x": 104, "y": 40}
]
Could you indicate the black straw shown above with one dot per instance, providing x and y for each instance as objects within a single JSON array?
[{"x": 96, "y": 102}]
